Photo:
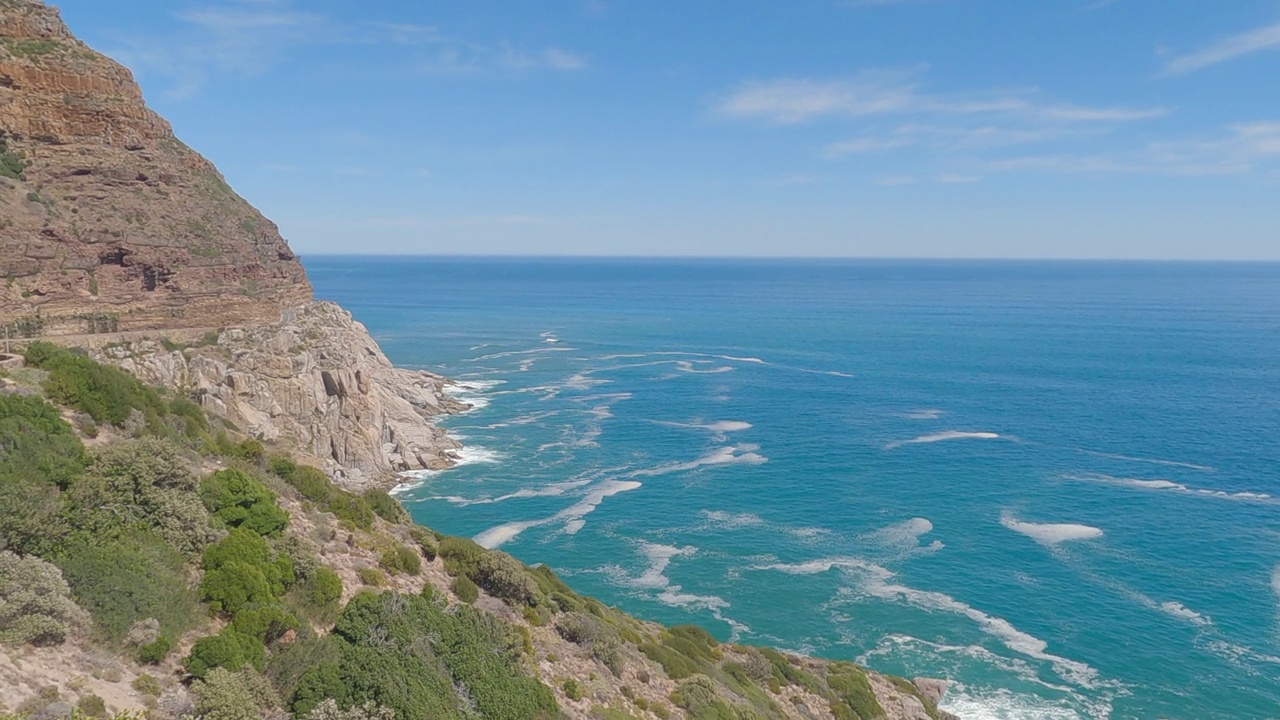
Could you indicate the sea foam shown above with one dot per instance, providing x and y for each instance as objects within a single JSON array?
[
  {"x": 943, "y": 437},
  {"x": 1050, "y": 534},
  {"x": 1173, "y": 487}
]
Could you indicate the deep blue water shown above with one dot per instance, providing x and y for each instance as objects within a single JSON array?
[{"x": 1056, "y": 484}]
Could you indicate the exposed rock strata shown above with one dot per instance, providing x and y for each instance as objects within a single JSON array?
[
  {"x": 111, "y": 223},
  {"x": 314, "y": 380}
]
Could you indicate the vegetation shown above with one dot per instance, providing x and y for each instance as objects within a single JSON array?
[
  {"x": 11, "y": 164},
  {"x": 132, "y": 547}
]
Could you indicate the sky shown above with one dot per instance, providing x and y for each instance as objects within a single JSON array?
[{"x": 828, "y": 128}]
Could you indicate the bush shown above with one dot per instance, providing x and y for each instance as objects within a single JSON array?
[
  {"x": 225, "y": 695},
  {"x": 39, "y": 453},
  {"x": 466, "y": 590},
  {"x": 400, "y": 560},
  {"x": 573, "y": 690},
  {"x": 461, "y": 555},
  {"x": 386, "y": 507},
  {"x": 266, "y": 623},
  {"x": 155, "y": 653},
  {"x": 373, "y": 577},
  {"x": 322, "y": 588},
  {"x": 310, "y": 482},
  {"x": 282, "y": 466},
  {"x": 238, "y": 500},
  {"x": 505, "y": 577},
  {"x": 699, "y": 697},
  {"x": 329, "y": 710},
  {"x": 142, "y": 484},
  {"x": 426, "y": 540},
  {"x": 228, "y": 649},
  {"x": 233, "y": 586},
  {"x": 105, "y": 393},
  {"x": 35, "y": 602},
  {"x": 92, "y": 706},
  {"x": 147, "y": 685},
  {"x": 350, "y": 509},
  {"x": 849, "y": 682}
]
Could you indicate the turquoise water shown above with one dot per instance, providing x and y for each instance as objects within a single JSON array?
[{"x": 1051, "y": 483}]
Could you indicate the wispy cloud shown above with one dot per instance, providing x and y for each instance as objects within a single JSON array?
[
  {"x": 245, "y": 38},
  {"x": 1238, "y": 149},
  {"x": 791, "y": 101},
  {"x": 1230, "y": 48}
]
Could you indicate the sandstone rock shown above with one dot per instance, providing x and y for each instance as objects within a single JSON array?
[
  {"x": 932, "y": 688},
  {"x": 319, "y": 383},
  {"x": 115, "y": 224}
]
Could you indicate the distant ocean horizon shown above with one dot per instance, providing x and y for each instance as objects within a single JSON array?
[{"x": 1054, "y": 483}]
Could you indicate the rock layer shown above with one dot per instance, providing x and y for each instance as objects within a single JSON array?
[
  {"x": 316, "y": 381},
  {"x": 108, "y": 222}
]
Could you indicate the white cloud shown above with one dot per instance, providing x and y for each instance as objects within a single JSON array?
[
  {"x": 1263, "y": 38},
  {"x": 791, "y": 101}
]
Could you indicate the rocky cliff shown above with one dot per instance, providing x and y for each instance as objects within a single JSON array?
[
  {"x": 315, "y": 381},
  {"x": 107, "y": 221}
]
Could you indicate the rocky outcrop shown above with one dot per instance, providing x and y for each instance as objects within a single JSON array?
[
  {"x": 314, "y": 380},
  {"x": 108, "y": 222}
]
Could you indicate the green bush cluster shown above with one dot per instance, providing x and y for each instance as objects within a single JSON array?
[
  {"x": 386, "y": 507},
  {"x": 241, "y": 570},
  {"x": 39, "y": 455},
  {"x": 400, "y": 560},
  {"x": 499, "y": 574},
  {"x": 11, "y": 164},
  {"x": 312, "y": 484},
  {"x": 410, "y": 654},
  {"x": 236, "y": 499},
  {"x": 135, "y": 577},
  {"x": 35, "y": 602},
  {"x": 107, "y": 394},
  {"x": 466, "y": 590}
]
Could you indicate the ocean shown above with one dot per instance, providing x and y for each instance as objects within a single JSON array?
[{"x": 1056, "y": 484}]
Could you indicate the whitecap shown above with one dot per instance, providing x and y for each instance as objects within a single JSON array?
[
  {"x": 904, "y": 537},
  {"x": 654, "y": 577},
  {"x": 1174, "y": 487},
  {"x": 1004, "y": 704},
  {"x": 1182, "y": 612},
  {"x": 731, "y": 521},
  {"x": 1275, "y": 581},
  {"x": 1050, "y": 534},
  {"x": 734, "y": 454},
  {"x": 925, "y": 414},
  {"x": 719, "y": 429},
  {"x": 944, "y": 436},
  {"x": 875, "y": 581}
]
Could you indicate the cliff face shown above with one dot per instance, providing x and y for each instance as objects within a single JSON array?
[
  {"x": 315, "y": 381},
  {"x": 108, "y": 222}
]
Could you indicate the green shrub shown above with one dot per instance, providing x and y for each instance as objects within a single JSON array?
[
  {"x": 400, "y": 560},
  {"x": 39, "y": 453},
  {"x": 106, "y": 393},
  {"x": 155, "y": 653},
  {"x": 35, "y": 602},
  {"x": 310, "y": 482},
  {"x": 250, "y": 450},
  {"x": 136, "y": 577},
  {"x": 228, "y": 649},
  {"x": 573, "y": 690},
  {"x": 141, "y": 485},
  {"x": 266, "y": 623},
  {"x": 236, "y": 499},
  {"x": 321, "y": 588},
  {"x": 282, "y": 466},
  {"x": 92, "y": 706},
  {"x": 849, "y": 682},
  {"x": 350, "y": 509},
  {"x": 504, "y": 577},
  {"x": 371, "y": 576},
  {"x": 147, "y": 685},
  {"x": 225, "y": 695},
  {"x": 698, "y": 695},
  {"x": 461, "y": 555},
  {"x": 466, "y": 590},
  {"x": 426, "y": 540},
  {"x": 233, "y": 586},
  {"x": 386, "y": 507}
]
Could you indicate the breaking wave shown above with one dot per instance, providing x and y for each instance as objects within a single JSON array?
[
  {"x": 1050, "y": 534},
  {"x": 943, "y": 437}
]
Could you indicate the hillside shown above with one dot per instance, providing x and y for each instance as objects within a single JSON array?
[{"x": 152, "y": 562}]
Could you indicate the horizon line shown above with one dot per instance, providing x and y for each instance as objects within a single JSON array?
[{"x": 763, "y": 258}]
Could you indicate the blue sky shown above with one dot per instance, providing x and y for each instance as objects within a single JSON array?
[{"x": 903, "y": 128}]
